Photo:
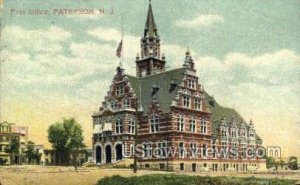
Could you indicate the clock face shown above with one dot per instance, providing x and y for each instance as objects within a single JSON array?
[{"x": 144, "y": 72}]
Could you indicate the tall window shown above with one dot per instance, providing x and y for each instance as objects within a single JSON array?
[
  {"x": 203, "y": 127},
  {"x": 132, "y": 149},
  {"x": 132, "y": 126},
  {"x": 148, "y": 150},
  {"x": 126, "y": 103},
  {"x": 244, "y": 148},
  {"x": 223, "y": 131},
  {"x": 113, "y": 105},
  {"x": 214, "y": 147},
  {"x": 180, "y": 123},
  {"x": 119, "y": 126},
  {"x": 191, "y": 83},
  {"x": 242, "y": 132},
  {"x": 192, "y": 124},
  {"x": 154, "y": 123},
  {"x": 234, "y": 150},
  {"x": 234, "y": 132},
  {"x": 251, "y": 133},
  {"x": 181, "y": 149},
  {"x": 162, "y": 149},
  {"x": 204, "y": 149},
  {"x": 198, "y": 103},
  {"x": 120, "y": 90},
  {"x": 224, "y": 149},
  {"x": 193, "y": 147},
  {"x": 186, "y": 101}
]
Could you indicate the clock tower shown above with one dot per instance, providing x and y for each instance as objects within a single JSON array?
[{"x": 150, "y": 62}]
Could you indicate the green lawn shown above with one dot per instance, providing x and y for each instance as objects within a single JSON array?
[{"x": 189, "y": 180}]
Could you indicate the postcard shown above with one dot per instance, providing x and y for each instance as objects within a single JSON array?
[{"x": 149, "y": 92}]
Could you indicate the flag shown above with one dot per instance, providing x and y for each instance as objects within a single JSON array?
[{"x": 119, "y": 50}]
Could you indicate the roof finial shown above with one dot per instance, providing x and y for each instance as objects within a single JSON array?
[{"x": 188, "y": 50}]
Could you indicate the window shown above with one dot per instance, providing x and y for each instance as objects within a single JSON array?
[
  {"x": 186, "y": 101},
  {"x": 148, "y": 150},
  {"x": 244, "y": 147},
  {"x": 120, "y": 90},
  {"x": 181, "y": 166},
  {"x": 192, "y": 124},
  {"x": 193, "y": 148},
  {"x": 203, "y": 127},
  {"x": 132, "y": 126},
  {"x": 214, "y": 147},
  {"x": 180, "y": 123},
  {"x": 191, "y": 84},
  {"x": 233, "y": 132},
  {"x": 132, "y": 150},
  {"x": 113, "y": 105},
  {"x": 223, "y": 131},
  {"x": 198, "y": 103},
  {"x": 234, "y": 150},
  {"x": 204, "y": 149},
  {"x": 154, "y": 123},
  {"x": 242, "y": 132},
  {"x": 251, "y": 133},
  {"x": 126, "y": 103},
  {"x": 224, "y": 149},
  {"x": 162, "y": 149},
  {"x": 119, "y": 126},
  {"x": 181, "y": 149}
]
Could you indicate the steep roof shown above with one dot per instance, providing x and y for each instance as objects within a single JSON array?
[
  {"x": 219, "y": 111},
  {"x": 144, "y": 88}
]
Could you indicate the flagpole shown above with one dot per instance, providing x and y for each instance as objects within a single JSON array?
[{"x": 122, "y": 32}]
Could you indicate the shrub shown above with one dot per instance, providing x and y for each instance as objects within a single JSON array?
[{"x": 171, "y": 179}]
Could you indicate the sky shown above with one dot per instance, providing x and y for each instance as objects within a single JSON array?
[{"x": 60, "y": 65}]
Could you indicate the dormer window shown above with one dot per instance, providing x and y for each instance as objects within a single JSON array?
[
  {"x": 120, "y": 90},
  {"x": 155, "y": 89},
  {"x": 173, "y": 85}
]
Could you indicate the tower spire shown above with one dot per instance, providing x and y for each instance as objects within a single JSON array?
[{"x": 150, "y": 26}]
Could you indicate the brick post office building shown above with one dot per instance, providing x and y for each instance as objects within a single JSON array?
[{"x": 171, "y": 112}]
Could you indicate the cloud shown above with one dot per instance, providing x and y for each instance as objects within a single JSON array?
[
  {"x": 46, "y": 40},
  {"x": 199, "y": 21}
]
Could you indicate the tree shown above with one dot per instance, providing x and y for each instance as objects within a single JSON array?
[
  {"x": 30, "y": 152},
  {"x": 292, "y": 163},
  {"x": 13, "y": 149},
  {"x": 270, "y": 162},
  {"x": 66, "y": 138}
]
